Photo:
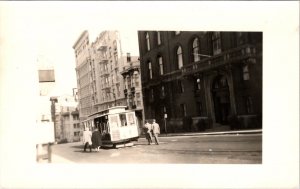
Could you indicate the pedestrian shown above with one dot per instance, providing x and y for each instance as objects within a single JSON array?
[
  {"x": 147, "y": 130},
  {"x": 155, "y": 131},
  {"x": 96, "y": 139},
  {"x": 87, "y": 139}
]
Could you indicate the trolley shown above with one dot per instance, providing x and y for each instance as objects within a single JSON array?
[{"x": 118, "y": 126}]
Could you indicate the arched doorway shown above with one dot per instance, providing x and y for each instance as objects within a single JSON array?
[{"x": 221, "y": 99}]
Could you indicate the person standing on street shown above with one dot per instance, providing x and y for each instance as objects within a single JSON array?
[
  {"x": 96, "y": 139},
  {"x": 87, "y": 139},
  {"x": 156, "y": 131},
  {"x": 147, "y": 128}
]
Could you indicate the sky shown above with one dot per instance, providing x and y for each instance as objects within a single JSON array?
[{"x": 58, "y": 28}]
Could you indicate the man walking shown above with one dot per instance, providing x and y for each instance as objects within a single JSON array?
[
  {"x": 96, "y": 139},
  {"x": 156, "y": 131},
  {"x": 148, "y": 132},
  {"x": 87, "y": 135}
]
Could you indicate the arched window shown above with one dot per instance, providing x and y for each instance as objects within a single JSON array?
[
  {"x": 161, "y": 66},
  {"x": 150, "y": 70},
  {"x": 179, "y": 57},
  {"x": 148, "y": 41},
  {"x": 196, "y": 50},
  {"x": 158, "y": 38},
  {"x": 246, "y": 74},
  {"x": 163, "y": 91},
  {"x": 216, "y": 40}
]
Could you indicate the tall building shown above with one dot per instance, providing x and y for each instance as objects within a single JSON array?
[
  {"x": 98, "y": 67},
  {"x": 83, "y": 72},
  {"x": 202, "y": 80},
  {"x": 107, "y": 62}
]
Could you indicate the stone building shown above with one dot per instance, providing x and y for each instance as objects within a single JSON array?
[{"x": 202, "y": 80}]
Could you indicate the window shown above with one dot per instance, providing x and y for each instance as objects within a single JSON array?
[
  {"x": 152, "y": 94},
  {"x": 181, "y": 86},
  {"x": 246, "y": 74},
  {"x": 249, "y": 104},
  {"x": 216, "y": 40},
  {"x": 116, "y": 58},
  {"x": 148, "y": 41},
  {"x": 183, "y": 110},
  {"x": 158, "y": 38},
  {"x": 240, "y": 38},
  {"x": 161, "y": 66},
  {"x": 179, "y": 57},
  {"x": 163, "y": 91},
  {"x": 150, "y": 70},
  {"x": 196, "y": 52},
  {"x": 199, "y": 108},
  {"x": 115, "y": 45},
  {"x": 136, "y": 79}
]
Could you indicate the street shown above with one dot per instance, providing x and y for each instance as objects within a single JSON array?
[{"x": 205, "y": 149}]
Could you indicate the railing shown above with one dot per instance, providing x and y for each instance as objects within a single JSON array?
[{"x": 234, "y": 55}]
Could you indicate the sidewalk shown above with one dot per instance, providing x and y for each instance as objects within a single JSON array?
[{"x": 252, "y": 131}]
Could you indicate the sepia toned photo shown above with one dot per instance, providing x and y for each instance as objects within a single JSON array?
[
  {"x": 130, "y": 94},
  {"x": 201, "y": 89}
]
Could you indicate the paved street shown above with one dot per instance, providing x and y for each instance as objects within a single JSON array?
[{"x": 205, "y": 149}]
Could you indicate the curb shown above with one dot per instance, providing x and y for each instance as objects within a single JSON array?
[{"x": 258, "y": 131}]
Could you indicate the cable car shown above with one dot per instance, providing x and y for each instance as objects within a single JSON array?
[{"x": 118, "y": 126}]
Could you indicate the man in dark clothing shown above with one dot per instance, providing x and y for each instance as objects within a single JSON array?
[{"x": 96, "y": 139}]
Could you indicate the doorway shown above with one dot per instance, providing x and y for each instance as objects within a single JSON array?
[{"x": 221, "y": 99}]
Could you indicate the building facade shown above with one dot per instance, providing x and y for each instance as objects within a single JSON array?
[
  {"x": 202, "y": 80},
  {"x": 107, "y": 62},
  {"x": 133, "y": 87},
  {"x": 65, "y": 116},
  {"x": 83, "y": 72}
]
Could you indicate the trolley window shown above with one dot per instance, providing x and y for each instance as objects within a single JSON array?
[
  {"x": 113, "y": 120},
  {"x": 130, "y": 118},
  {"x": 123, "y": 120}
]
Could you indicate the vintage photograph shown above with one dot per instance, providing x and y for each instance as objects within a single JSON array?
[
  {"x": 196, "y": 97},
  {"x": 140, "y": 94}
]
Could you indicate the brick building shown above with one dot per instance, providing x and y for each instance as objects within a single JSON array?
[{"x": 202, "y": 80}]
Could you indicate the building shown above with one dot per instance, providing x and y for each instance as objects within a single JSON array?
[
  {"x": 65, "y": 116},
  {"x": 133, "y": 86},
  {"x": 98, "y": 67},
  {"x": 83, "y": 72},
  {"x": 202, "y": 80},
  {"x": 106, "y": 56}
]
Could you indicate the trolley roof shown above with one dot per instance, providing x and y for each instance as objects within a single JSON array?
[{"x": 112, "y": 110}]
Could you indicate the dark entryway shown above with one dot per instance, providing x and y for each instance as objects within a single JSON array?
[{"x": 221, "y": 100}]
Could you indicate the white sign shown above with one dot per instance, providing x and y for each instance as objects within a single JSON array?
[{"x": 166, "y": 115}]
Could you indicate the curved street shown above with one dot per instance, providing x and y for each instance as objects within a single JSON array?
[{"x": 202, "y": 149}]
